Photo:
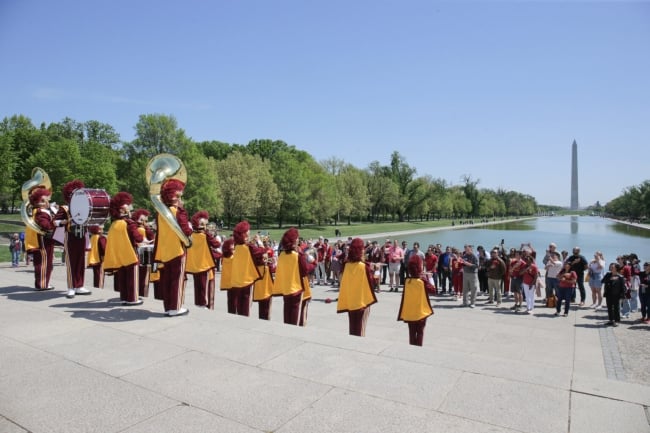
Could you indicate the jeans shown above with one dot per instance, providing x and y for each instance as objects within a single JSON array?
[
  {"x": 15, "y": 257},
  {"x": 564, "y": 293},
  {"x": 644, "y": 297},
  {"x": 552, "y": 286},
  {"x": 529, "y": 290},
  {"x": 581, "y": 287}
]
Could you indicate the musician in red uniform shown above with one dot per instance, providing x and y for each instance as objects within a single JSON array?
[
  {"x": 415, "y": 307},
  {"x": 121, "y": 244},
  {"x": 200, "y": 261},
  {"x": 247, "y": 257},
  {"x": 74, "y": 246},
  {"x": 263, "y": 288},
  {"x": 41, "y": 247},
  {"x": 292, "y": 278},
  {"x": 96, "y": 255},
  {"x": 170, "y": 250},
  {"x": 141, "y": 218},
  {"x": 356, "y": 294}
]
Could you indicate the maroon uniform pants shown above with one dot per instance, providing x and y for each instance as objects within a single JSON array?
[
  {"x": 416, "y": 332},
  {"x": 264, "y": 308},
  {"x": 98, "y": 276},
  {"x": 126, "y": 282},
  {"x": 203, "y": 290},
  {"x": 172, "y": 283},
  {"x": 75, "y": 260},
  {"x": 357, "y": 321},
  {"x": 43, "y": 264},
  {"x": 143, "y": 281},
  {"x": 239, "y": 300}
]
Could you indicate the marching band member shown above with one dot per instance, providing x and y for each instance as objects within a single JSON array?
[
  {"x": 415, "y": 307},
  {"x": 170, "y": 251},
  {"x": 96, "y": 255},
  {"x": 228, "y": 249},
  {"x": 74, "y": 246},
  {"x": 292, "y": 278},
  {"x": 356, "y": 294},
  {"x": 246, "y": 258},
  {"x": 121, "y": 243},
  {"x": 41, "y": 247},
  {"x": 141, "y": 218},
  {"x": 263, "y": 288},
  {"x": 200, "y": 261}
]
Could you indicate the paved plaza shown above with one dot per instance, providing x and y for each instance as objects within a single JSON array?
[{"x": 90, "y": 364}]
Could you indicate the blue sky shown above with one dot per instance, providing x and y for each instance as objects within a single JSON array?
[{"x": 494, "y": 90}]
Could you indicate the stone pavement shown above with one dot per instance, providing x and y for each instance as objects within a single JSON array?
[{"x": 91, "y": 365}]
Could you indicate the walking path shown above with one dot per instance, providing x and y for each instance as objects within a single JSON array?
[{"x": 91, "y": 365}]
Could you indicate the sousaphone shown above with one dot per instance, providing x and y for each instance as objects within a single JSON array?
[
  {"x": 39, "y": 178},
  {"x": 160, "y": 168}
]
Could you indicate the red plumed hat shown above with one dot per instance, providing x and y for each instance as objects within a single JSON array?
[
  {"x": 117, "y": 201},
  {"x": 70, "y": 187},
  {"x": 37, "y": 194},
  {"x": 356, "y": 251},
  {"x": 169, "y": 190},
  {"x": 138, "y": 213},
  {"x": 202, "y": 214},
  {"x": 415, "y": 265},
  {"x": 289, "y": 239},
  {"x": 239, "y": 232},
  {"x": 228, "y": 247}
]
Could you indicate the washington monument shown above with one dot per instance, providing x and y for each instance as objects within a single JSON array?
[{"x": 574, "y": 176}]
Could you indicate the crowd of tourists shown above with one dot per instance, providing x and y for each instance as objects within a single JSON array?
[{"x": 621, "y": 286}]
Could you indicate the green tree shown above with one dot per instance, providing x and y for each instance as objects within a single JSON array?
[{"x": 238, "y": 186}]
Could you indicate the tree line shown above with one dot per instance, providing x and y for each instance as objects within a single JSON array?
[
  {"x": 634, "y": 203},
  {"x": 266, "y": 181}
]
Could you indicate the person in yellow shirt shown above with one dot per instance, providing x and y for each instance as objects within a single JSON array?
[
  {"x": 292, "y": 278},
  {"x": 145, "y": 250},
  {"x": 247, "y": 256},
  {"x": 356, "y": 293},
  {"x": 227, "y": 250},
  {"x": 200, "y": 262},
  {"x": 96, "y": 255},
  {"x": 170, "y": 251},
  {"x": 121, "y": 243},
  {"x": 263, "y": 288},
  {"x": 415, "y": 307}
]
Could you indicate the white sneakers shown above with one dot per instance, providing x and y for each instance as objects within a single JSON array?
[
  {"x": 78, "y": 291},
  {"x": 182, "y": 312}
]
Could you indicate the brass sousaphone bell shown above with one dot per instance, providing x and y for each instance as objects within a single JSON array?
[
  {"x": 160, "y": 168},
  {"x": 39, "y": 178}
]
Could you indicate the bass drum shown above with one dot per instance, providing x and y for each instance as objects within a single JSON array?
[{"x": 89, "y": 206}]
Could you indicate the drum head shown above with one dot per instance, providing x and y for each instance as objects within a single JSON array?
[{"x": 80, "y": 207}]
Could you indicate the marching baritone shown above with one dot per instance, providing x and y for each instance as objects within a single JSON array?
[
  {"x": 200, "y": 261},
  {"x": 292, "y": 278},
  {"x": 170, "y": 250},
  {"x": 41, "y": 246},
  {"x": 74, "y": 246},
  {"x": 121, "y": 244},
  {"x": 263, "y": 288},
  {"x": 145, "y": 250},
  {"x": 415, "y": 307},
  {"x": 246, "y": 258},
  {"x": 356, "y": 293},
  {"x": 96, "y": 255}
]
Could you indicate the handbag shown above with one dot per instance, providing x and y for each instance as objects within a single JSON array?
[{"x": 551, "y": 301}]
